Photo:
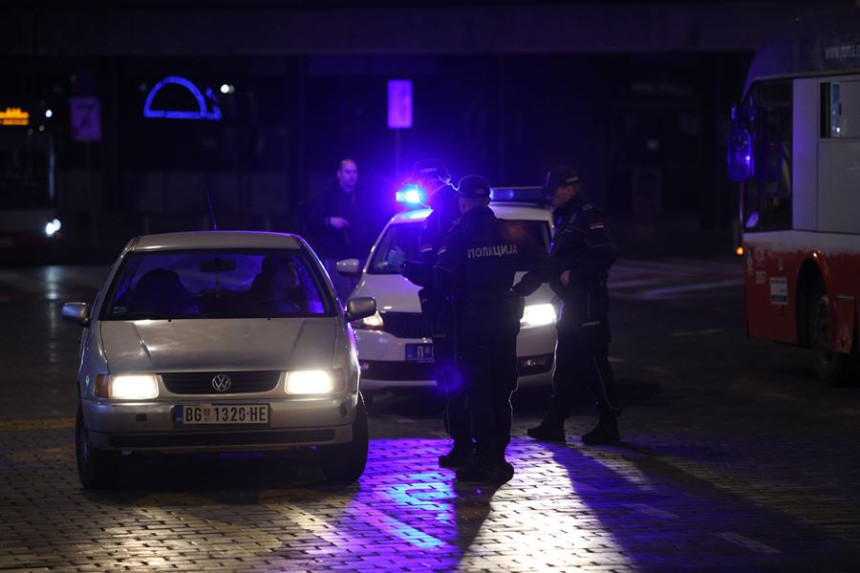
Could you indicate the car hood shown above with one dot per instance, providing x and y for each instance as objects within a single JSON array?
[
  {"x": 393, "y": 293},
  {"x": 219, "y": 344}
]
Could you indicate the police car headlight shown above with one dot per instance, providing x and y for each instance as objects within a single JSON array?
[
  {"x": 127, "y": 386},
  {"x": 538, "y": 315},
  {"x": 372, "y": 322},
  {"x": 315, "y": 381}
]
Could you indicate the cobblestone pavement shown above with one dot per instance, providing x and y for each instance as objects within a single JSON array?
[{"x": 732, "y": 458}]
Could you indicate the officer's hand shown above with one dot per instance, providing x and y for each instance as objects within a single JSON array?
[
  {"x": 564, "y": 279},
  {"x": 338, "y": 222}
]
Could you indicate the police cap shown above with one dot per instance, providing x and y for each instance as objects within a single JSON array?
[
  {"x": 429, "y": 169},
  {"x": 474, "y": 186},
  {"x": 559, "y": 177}
]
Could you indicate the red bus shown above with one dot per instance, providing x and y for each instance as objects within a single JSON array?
[{"x": 795, "y": 152}]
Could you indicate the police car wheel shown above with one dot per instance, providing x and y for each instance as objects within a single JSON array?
[{"x": 346, "y": 462}]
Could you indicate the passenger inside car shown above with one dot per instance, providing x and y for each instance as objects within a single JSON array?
[
  {"x": 277, "y": 288},
  {"x": 161, "y": 292}
]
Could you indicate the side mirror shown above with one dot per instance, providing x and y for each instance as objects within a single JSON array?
[
  {"x": 77, "y": 313},
  {"x": 739, "y": 155},
  {"x": 358, "y": 308},
  {"x": 349, "y": 268}
]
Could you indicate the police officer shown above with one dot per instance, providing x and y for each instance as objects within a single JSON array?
[
  {"x": 581, "y": 255},
  {"x": 476, "y": 269},
  {"x": 431, "y": 176}
]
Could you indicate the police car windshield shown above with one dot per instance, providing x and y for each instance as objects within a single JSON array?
[{"x": 400, "y": 243}]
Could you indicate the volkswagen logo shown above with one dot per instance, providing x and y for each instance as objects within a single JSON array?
[{"x": 221, "y": 382}]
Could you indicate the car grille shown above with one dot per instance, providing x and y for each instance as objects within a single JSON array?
[
  {"x": 407, "y": 325},
  {"x": 201, "y": 382}
]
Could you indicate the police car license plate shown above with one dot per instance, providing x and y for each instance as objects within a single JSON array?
[
  {"x": 419, "y": 353},
  {"x": 221, "y": 414}
]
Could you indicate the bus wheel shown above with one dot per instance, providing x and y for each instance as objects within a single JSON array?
[{"x": 830, "y": 366}]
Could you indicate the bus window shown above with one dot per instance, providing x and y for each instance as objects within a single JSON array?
[
  {"x": 768, "y": 194},
  {"x": 840, "y": 109}
]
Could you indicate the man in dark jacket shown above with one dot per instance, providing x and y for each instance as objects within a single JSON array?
[
  {"x": 431, "y": 177},
  {"x": 477, "y": 265},
  {"x": 342, "y": 225},
  {"x": 582, "y": 253}
]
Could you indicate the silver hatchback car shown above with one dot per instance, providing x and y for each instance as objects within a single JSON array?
[{"x": 215, "y": 342}]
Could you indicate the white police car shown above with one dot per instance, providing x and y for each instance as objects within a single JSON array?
[{"x": 395, "y": 350}]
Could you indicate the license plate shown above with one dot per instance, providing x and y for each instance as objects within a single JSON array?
[
  {"x": 221, "y": 414},
  {"x": 419, "y": 352}
]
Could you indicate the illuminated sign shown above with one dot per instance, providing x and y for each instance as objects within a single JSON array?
[
  {"x": 14, "y": 116},
  {"x": 399, "y": 104},
  {"x": 202, "y": 101},
  {"x": 85, "y": 115}
]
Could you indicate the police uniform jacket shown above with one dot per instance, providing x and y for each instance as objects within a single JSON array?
[
  {"x": 437, "y": 224},
  {"x": 581, "y": 244},
  {"x": 477, "y": 264}
]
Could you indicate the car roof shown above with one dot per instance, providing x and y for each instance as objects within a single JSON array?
[
  {"x": 216, "y": 240},
  {"x": 503, "y": 210}
]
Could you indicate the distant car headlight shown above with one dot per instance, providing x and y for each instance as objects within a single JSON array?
[
  {"x": 127, "y": 386},
  {"x": 372, "y": 322},
  {"x": 53, "y": 227},
  {"x": 315, "y": 381},
  {"x": 538, "y": 315}
]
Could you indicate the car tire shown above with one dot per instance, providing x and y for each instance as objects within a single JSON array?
[
  {"x": 830, "y": 367},
  {"x": 346, "y": 462},
  {"x": 97, "y": 469},
  {"x": 368, "y": 402}
]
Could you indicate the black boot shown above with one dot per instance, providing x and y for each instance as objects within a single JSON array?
[
  {"x": 497, "y": 472},
  {"x": 548, "y": 431},
  {"x": 459, "y": 457},
  {"x": 604, "y": 433}
]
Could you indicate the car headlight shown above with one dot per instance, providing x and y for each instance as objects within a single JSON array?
[
  {"x": 538, "y": 315},
  {"x": 314, "y": 381},
  {"x": 127, "y": 386},
  {"x": 372, "y": 322}
]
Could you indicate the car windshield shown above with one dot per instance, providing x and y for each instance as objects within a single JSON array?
[
  {"x": 400, "y": 243},
  {"x": 217, "y": 284}
]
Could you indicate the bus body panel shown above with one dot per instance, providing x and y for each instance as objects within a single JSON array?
[{"x": 774, "y": 283}]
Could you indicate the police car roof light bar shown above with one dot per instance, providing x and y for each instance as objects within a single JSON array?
[
  {"x": 518, "y": 195},
  {"x": 412, "y": 196}
]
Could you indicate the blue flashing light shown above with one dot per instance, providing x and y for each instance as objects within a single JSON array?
[
  {"x": 518, "y": 194},
  {"x": 412, "y": 196},
  {"x": 202, "y": 113}
]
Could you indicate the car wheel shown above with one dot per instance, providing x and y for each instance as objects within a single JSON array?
[
  {"x": 368, "y": 402},
  {"x": 830, "y": 366},
  {"x": 97, "y": 469},
  {"x": 346, "y": 462}
]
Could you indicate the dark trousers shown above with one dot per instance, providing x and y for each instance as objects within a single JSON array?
[
  {"x": 580, "y": 359},
  {"x": 488, "y": 364},
  {"x": 458, "y": 423}
]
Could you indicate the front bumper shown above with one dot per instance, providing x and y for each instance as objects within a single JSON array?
[
  {"x": 150, "y": 426},
  {"x": 382, "y": 358}
]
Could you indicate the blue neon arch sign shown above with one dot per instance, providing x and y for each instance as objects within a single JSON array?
[{"x": 203, "y": 111}]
